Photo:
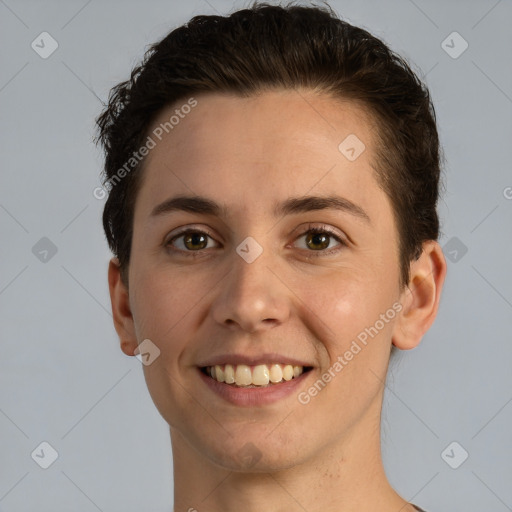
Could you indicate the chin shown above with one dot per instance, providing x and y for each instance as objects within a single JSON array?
[{"x": 253, "y": 456}]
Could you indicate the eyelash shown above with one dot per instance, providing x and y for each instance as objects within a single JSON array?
[{"x": 310, "y": 229}]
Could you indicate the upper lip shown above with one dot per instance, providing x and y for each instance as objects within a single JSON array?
[{"x": 268, "y": 358}]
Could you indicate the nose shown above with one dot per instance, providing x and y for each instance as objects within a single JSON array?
[{"x": 252, "y": 297}]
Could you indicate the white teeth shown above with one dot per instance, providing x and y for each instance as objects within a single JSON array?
[
  {"x": 276, "y": 373},
  {"x": 229, "y": 374},
  {"x": 219, "y": 374},
  {"x": 288, "y": 372},
  {"x": 243, "y": 375},
  {"x": 260, "y": 375}
]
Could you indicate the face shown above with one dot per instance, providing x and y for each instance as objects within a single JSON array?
[{"x": 242, "y": 279}]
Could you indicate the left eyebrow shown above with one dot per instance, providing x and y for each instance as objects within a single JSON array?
[
  {"x": 293, "y": 205},
  {"x": 311, "y": 203}
]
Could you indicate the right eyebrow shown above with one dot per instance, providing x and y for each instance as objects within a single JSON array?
[{"x": 193, "y": 204}]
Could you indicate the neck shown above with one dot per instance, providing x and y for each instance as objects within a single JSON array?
[{"x": 345, "y": 477}]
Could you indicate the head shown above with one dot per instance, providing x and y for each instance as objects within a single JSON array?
[{"x": 247, "y": 112}]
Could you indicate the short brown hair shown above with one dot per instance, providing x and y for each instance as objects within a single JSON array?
[{"x": 287, "y": 47}]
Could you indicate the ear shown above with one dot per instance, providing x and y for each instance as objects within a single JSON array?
[
  {"x": 420, "y": 299},
  {"x": 121, "y": 312}
]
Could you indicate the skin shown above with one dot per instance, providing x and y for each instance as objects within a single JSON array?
[{"x": 249, "y": 154}]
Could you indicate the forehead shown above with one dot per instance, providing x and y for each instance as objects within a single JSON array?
[
  {"x": 273, "y": 120},
  {"x": 243, "y": 151}
]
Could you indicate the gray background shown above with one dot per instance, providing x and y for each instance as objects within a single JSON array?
[{"x": 63, "y": 378}]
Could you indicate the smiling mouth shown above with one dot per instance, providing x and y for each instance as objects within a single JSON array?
[{"x": 259, "y": 376}]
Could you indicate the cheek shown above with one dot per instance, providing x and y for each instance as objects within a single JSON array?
[
  {"x": 351, "y": 375},
  {"x": 165, "y": 308},
  {"x": 162, "y": 305},
  {"x": 347, "y": 311},
  {"x": 344, "y": 304}
]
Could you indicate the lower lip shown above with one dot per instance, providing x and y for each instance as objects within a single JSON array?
[{"x": 250, "y": 397}]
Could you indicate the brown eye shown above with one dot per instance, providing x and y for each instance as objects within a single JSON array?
[
  {"x": 195, "y": 241},
  {"x": 319, "y": 239},
  {"x": 190, "y": 241}
]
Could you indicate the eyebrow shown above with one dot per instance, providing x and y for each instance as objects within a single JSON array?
[{"x": 294, "y": 205}]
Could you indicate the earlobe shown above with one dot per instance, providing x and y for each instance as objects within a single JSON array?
[
  {"x": 421, "y": 298},
  {"x": 121, "y": 311}
]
